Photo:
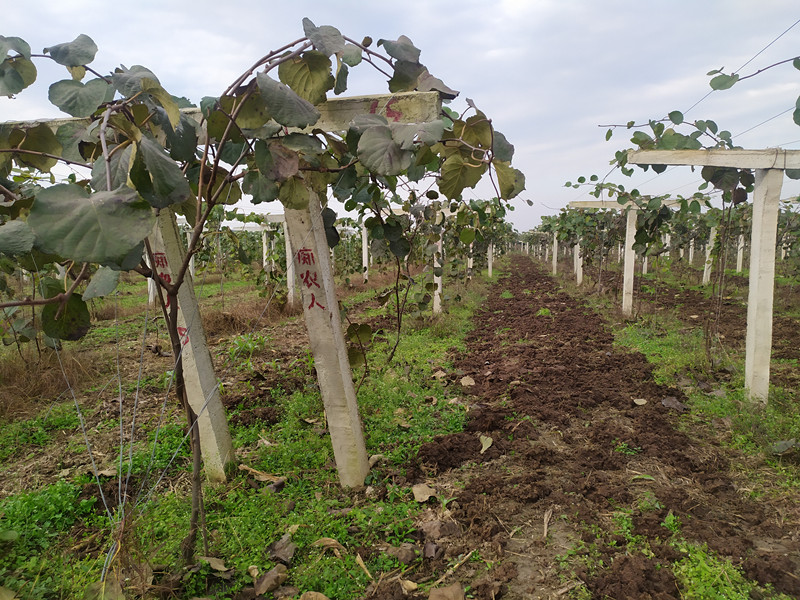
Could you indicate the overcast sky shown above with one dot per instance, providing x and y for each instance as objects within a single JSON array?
[{"x": 548, "y": 72}]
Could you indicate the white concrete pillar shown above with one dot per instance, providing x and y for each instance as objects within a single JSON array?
[
  {"x": 555, "y": 254},
  {"x": 202, "y": 391},
  {"x": 438, "y": 262},
  {"x": 629, "y": 263},
  {"x": 490, "y": 257},
  {"x": 712, "y": 240},
  {"x": 290, "y": 272},
  {"x": 740, "y": 254},
  {"x": 577, "y": 257},
  {"x": 644, "y": 265},
  {"x": 326, "y": 337},
  {"x": 766, "y": 201},
  {"x": 365, "y": 252},
  {"x": 691, "y": 251}
]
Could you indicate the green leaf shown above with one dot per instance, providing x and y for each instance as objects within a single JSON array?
[
  {"x": 294, "y": 194},
  {"x": 351, "y": 55},
  {"x": 400, "y": 247},
  {"x": 9, "y": 535},
  {"x": 796, "y": 63},
  {"x": 378, "y": 152},
  {"x": 282, "y": 164},
  {"x": 502, "y": 149},
  {"x": 796, "y": 114},
  {"x": 356, "y": 357},
  {"x": 120, "y": 167},
  {"x": 341, "y": 79},
  {"x": 40, "y": 139},
  {"x": 427, "y": 133},
  {"x": 169, "y": 184},
  {"x": 694, "y": 207},
  {"x": 15, "y": 75},
  {"x": 16, "y": 44},
  {"x": 428, "y": 83},
  {"x": 402, "y": 49},
  {"x": 80, "y": 51},
  {"x": 303, "y": 144},
  {"x": 510, "y": 180},
  {"x": 308, "y": 75},
  {"x": 182, "y": 140},
  {"x": 128, "y": 82},
  {"x": 106, "y": 225},
  {"x": 722, "y": 178},
  {"x": 467, "y": 236},
  {"x": 259, "y": 187},
  {"x": 676, "y": 117},
  {"x": 457, "y": 173},
  {"x": 152, "y": 87},
  {"x": 609, "y": 133},
  {"x": 102, "y": 283},
  {"x": 16, "y": 238},
  {"x": 286, "y": 107},
  {"x": 79, "y": 99},
  {"x": 66, "y": 321},
  {"x": 405, "y": 77},
  {"x": 326, "y": 39},
  {"x": 723, "y": 82}
]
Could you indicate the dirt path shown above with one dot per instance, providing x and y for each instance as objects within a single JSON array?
[{"x": 580, "y": 467}]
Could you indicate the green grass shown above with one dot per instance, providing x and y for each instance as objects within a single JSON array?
[
  {"x": 21, "y": 436},
  {"x": 402, "y": 406}
]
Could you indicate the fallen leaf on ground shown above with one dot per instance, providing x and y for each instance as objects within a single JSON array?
[
  {"x": 486, "y": 443},
  {"x": 313, "y": 596},
  {"x": 271, "y": 580},
  {"x": 422, "y": 492},
  {"x": 215, "y": 563},
  {"x": 332, "y": 545},
  {"x": 451, "y": 592},
  {"x": 258, "y": 475},
  {"x": 674, "y": 403},
  {"x": 283, "y": 550},
  {"x": 467, "y": 381}
]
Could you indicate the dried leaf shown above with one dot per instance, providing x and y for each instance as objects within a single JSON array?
[
  {"x": 6, "y": 594},
  {"x": 259, "y": 475},
  {"x": 408, "y": 586},
  {"x": 439, "y": 374},
  {"x": 783, "y": 446},
  {"x": 467, "y": 381},
  {"x": 271, "y": 580},
  {"x": 283, "y": 550},
  {"x": 313, "y": 596},
  {"x": 639, "y": 401},
  {"x": 215, "y": 563},
  {"x": 451, "y": 592},
  {"x": 252, "y": 570},
  {"x": 486, "y": 443},
  {"x": 332, "y": 545},
  {"x": 423, "y": 492},
  {"x": 360, "y": 563},
  {"x": 673, "y": 402}
]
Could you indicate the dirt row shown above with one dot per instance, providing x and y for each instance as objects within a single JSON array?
[{"x": 587, "y": 462}]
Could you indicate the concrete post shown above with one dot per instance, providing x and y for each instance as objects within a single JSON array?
[
  {"x": 555, "y": 254},
  {"x": 490, "y": 257},
  {"x": 321, "y": 312},
  {"x": 766, "y": 200},
  {"x": 712, "y": 240},
  {"x": 438, "y": 262},
  {"x": 629, "y": 263},
  {"x": 290, "y": 272},
  {"x": 202, "y": 391},
  {"x": 740, "y": 254},
  {"x": 577, "y": 258},
  {"x": 365, "y": 252}
]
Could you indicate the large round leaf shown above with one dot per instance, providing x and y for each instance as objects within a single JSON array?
[
  {"x": 79, "y": 99},
  {"x": 102, "y": 283},
  {"x": 16, "y": 238},
  {"x": 15, "y": 75},
  {"x": 68, "y": 321},
  {"x": 80, "y": 51},
  {"x": 379, "y": 153},
  {"x": 309, "y": 75},
  {"x": 286, "y": 107},
  {"x": 97, "y": 228}
]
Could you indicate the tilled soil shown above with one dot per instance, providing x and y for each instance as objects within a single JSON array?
[{"x": 587, "y": 460}]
